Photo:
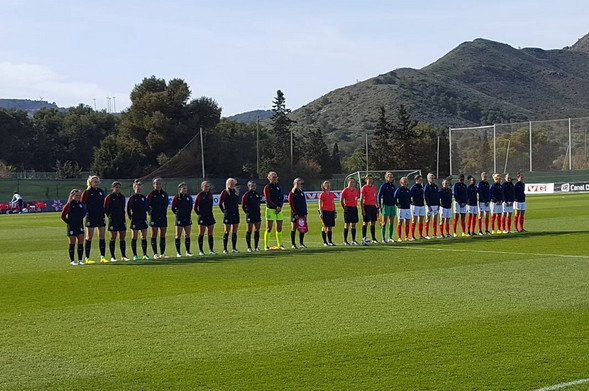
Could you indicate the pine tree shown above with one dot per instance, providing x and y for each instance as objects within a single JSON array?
[
  {"x": 278, "y": 154},
  {"x": 336, "y": 162},
  {"x": 381, "y": 148}
]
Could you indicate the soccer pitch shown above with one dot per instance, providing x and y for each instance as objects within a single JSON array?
[{"x": 506, "y": 312}]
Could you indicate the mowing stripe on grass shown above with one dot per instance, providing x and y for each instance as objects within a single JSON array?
[
  {"x": 563, "y": 385},
  {"x": 418, "y": 247}
]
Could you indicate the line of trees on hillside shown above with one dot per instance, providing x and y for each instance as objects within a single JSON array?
[{"x": 160, "y": 133}]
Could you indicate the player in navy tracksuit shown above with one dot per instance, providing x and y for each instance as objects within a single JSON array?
[
  {"x": 445, "y": 195},
  {"x": 93, "y": 198},
  {"x": 250, "y": 203},
  {"x": 298, "y": 210},
  {"x": 432, "y": 200},
  {"x": 484, "y": 202},
  {"x": 417, "y": 207},
  {"x": 157, "y": 202},
  {"x": 496, "y": 192},
  {"x": 472, "y": 205},
  {"x": 203, "y": 207},
  {"x": 460, "y": 199},
  {"x": 520, "y": 203},
  {"x": 403, "y": 203},
  {"x": 509, "y": 199},
  {"x": 182, "y": 208},
  {"x": 229, "y": 204},
  {"x": 73, "y": 215},
  {"x": 386, "y": 205},
  {"x": 137, "y": 212},
  {"x": 114, "y": 208}
]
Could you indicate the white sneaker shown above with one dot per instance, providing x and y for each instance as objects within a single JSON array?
[
  {"x": 249, "y": 250},
  {"x": 504, "y": 231},
  {"x": 235, "y": 251},
  {"x": 390, "y": 240},
  {"x": 113, "y": 259},
  {"x": 163, "y": 256},
  {"x": 257, "y": 249},
  {"x": 81, "y": 262},
  {"x": 155, "y": 256},
  {"x": 427, "y": 237},
  {"x": 178, "y": 255},
  {"x": 294, "y": 247},
  {"x": 400, "y": 240},
  {"x": 354, "y": 243},
  {"x": 187, "y": 254},
  {"x": 74, "y": 263},
  {"x": 225, "y": 252},
  {"x": 124, "y": 259}
]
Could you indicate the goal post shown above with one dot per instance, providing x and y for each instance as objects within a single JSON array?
[{"x": 378, "y": 175}]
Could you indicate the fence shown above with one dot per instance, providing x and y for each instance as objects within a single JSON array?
[{"x": 551, "y": 145}]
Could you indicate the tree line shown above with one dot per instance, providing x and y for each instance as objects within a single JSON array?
[{"x": 160, "y": 133}]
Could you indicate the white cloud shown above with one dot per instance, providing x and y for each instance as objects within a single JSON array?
[{"x": 34, "y": 81}]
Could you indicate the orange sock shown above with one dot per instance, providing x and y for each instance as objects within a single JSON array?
[{"x": 399, "y": 231}]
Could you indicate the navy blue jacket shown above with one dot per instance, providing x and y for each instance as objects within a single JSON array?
[
  {"x": 496, "y": 191},
  {"x": 298, "y": 203},
  {"x": 274, "y": 195},
  {"x": 417, "y": 195},
  {"x": 446, "y": 197},
  {"x": 386, "y": 194},
  {"x": 484, "y": 195},
  {"x": 403, "y": 198},
  {"x": 508, "y": 192},
  {"x": 471, "y": 194},
  {"x": 520, "y": 191},
  {"x": 431, "y": 194},
  {"x": 459, "y": 191},
  {"x": 250, "y": 203}
]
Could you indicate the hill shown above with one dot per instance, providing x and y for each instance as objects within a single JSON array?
[
  {"x": 30, "y": 106},
  {"x": 252, "y": 116},
  {"x": 478, "y": 82}
]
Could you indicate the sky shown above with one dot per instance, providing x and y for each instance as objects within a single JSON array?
[{"x": 241, "y": 52}]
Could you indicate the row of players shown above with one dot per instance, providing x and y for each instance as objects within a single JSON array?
[{"x": 413, "y": 205}]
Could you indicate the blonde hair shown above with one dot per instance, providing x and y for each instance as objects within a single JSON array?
[
  {"x": 203, "y": 184},
  {"x": 324, "y": 185},
  {"x": 496, "y": 177},
  {"x": 89, "y": 181},
  {"x": 231, "y": 180},
  {"x": 404, "y": 180},
  {"x": 72, "y": 194},
  {"x": 271, "y": 174}
]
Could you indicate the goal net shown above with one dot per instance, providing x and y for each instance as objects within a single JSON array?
[{"x": 378, "y": 176}]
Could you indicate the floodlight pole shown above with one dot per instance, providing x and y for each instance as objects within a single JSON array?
[
  {"x": 494, "y": 149},
  {"x": 291, "y": 152},
  {"x": 530, "y": 146},
  {"x": 366, "y": 135},
  {"x": 438, "y": 159},
  {"x": 450, "y": 147},
  {"x": 202, "y": 154},
  {"x": 570, "y": 148},
  {"x": 258, "y": 147}
]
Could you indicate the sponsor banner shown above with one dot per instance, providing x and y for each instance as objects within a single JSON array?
[
  {"x": 539, "y": 188},
  {"x": 571, "y": 187}
]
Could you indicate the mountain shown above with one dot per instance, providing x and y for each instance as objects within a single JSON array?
[
  {"x": 30, "y": 106},
  {"x": 252, "y": 116},
  {"x": 478, "y": 82}
]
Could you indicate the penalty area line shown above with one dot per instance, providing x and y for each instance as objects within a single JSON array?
[{"x": 563, "y": 385}]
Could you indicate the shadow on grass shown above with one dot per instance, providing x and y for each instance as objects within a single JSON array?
[{"x": 285, "y": 254}]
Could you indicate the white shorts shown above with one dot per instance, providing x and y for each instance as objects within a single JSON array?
[
  {"x": 483, "y": 207},
  {"x": 508, "y": 209},
  {"x": 458, "y": 209},
  {"x": 496, "y": 209},
  {"x": 417, "y": 210},
  {"x": 446, "y": 213},
  {"x": 519, "y": 205},
  {"x": 403, "y": 214},
  {"x": 472, "y": 209},
  {"x": 435, "y": 209}
]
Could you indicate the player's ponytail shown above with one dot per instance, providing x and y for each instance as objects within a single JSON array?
[
  {"x": 295, "y": 183},
  {"x": 228, "y": 182}
]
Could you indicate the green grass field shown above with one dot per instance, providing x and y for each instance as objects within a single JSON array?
[{"x": 507, "y": 312}]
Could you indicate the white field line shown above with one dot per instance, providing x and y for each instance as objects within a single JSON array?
[
  {"x": 563, "y": 385},
  {"x": 427, "y": 248}
]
